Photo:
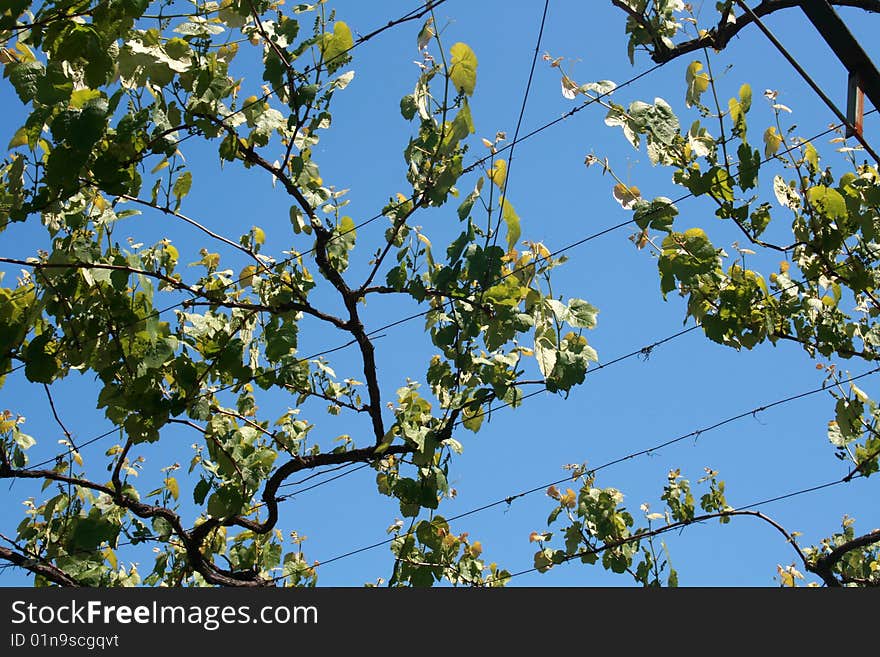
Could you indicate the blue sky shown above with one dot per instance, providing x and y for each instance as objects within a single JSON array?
[{"x": 684, "y": 385}]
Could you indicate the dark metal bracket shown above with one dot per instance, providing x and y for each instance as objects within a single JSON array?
[{"x": 864, "y": 79}]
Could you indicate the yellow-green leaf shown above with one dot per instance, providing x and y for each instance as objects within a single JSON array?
[
  {"x": 78, "y": 99},
  {"x": 472, "y": 419},
  {"x": 19, "y": 139},
  {"x": 336, "y": 45},
  {"x": 246, "y": 277},
  {"x": 772, "y": 142},
  {"x": 173, "y": 488},
  {"x": 464, "y": 68},
  {"x": 828, "y": 201},
  {"x": 110, "y": 556},
  {"x": 745, "y": 98},
  {"x": 738, "y": 116},
  {"x": 811, "y": 157},
  {"x": 347, "y": 227},
  {"x": 498, "y": 173},
  {"x": 182, "y": 186},
  {"x": 173, "y": 253},
  {"x": 697, "y": 83},
  {"x": 512, "y": 220}
]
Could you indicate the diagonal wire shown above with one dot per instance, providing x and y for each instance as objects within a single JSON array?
[
  {"x": 480, "y": 162},
  {"x": 554, "y": 253},
  {"x": 414, "y": 14},
  {"x": 602, "y": 548},
  {"x": 644, "y": 351},
  {"x": 808, "y": 79},
  {"x": 522, "y": 109},
  {"x": 411, "y": 317},
  {"x": 510, "y": 146},
  {"x": 695, "y": 434}
]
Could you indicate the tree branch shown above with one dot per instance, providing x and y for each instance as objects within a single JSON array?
[
  {"x": 196, "y": 559},
  {"x": 846, "y": 353},
  {"x": 349, "y": 297},
  {"x": 280, "y": 308},
  {"x": 294, "y": 465},
  {"x": 183, "y": 287},
  {"x": 58, "y": 421},
  {"x": 824, "y": 566},
  {"x": 684, "y": 523},
  {"x": 395, "y": 229},
  {"x": 719, "y": 36},
  {"x": 47, "y": 570}
]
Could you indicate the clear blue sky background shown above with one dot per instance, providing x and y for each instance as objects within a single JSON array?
[{"x": 685, "y": 385}]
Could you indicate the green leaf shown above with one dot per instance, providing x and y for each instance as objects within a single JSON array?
[
  {"x": 89, "y": 532},
  {"x": 749, "y": 163},
  {"x": 828, "y": 201},
  {"x": 224, "y": 502},
  {"x": 658, "y": 214},
  {"x": 760, "y": 219},
  {"x": 157, "y": 353},
  {"x": 24, "y": 78},
  {"x": 56, "y": 87},
  {"x": 581, "y": 314},
  {"x": 181, "y": 187},
  {"x": 720, "y": 184},
  {"x": 463, "y": 72},
  {"x": 662, "y": 121},
  {"x": 281, "y": 339},
  {"x": 685, "y": 257},
  {"x": 462, "y": 126},
  {"x": 342, "y": 242},
  {"x": 81, "y": 129},
  {"x": 201, "y": 491},
  {"x": 298, "y": 221},
  {"x": 659, "y": 122},
  {"x": 512, "y": 220},
  {"x": 83, "y": 43},
  {"x": 41, "y": 367},
  {"x": 465, "y": 208},
  {"x": 408, "y": 107}
]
